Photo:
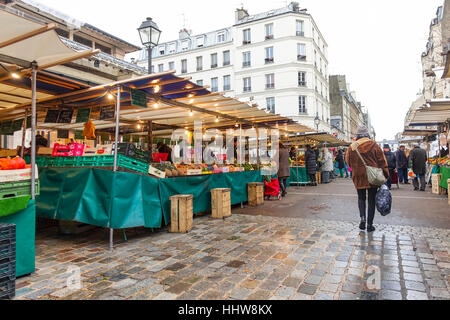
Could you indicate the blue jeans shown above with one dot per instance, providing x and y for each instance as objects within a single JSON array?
[{"x": 403, "y": 175}]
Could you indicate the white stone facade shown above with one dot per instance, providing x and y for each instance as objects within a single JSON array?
[{"x": 281, "y": 43}]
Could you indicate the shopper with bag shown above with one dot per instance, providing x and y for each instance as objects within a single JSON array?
[
  {"x": 284, "y": 168},
  {"x": 370, "y": 171},
  {"x": 418, "y": 159},
  {"x": 402, "y": 165}
]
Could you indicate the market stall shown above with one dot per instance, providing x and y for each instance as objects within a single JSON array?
[{"x": 22, "y": 59}]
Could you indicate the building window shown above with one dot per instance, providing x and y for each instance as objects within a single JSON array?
[
  {"x": 200, "y": 42},
  {"x": 221, "y": 37},
  {"x": 269, "y": 31},
  {"x": 184, "y": 45},
  {"x": 184, "y": 66},
  {"x": 214, "y": 84},
  {"x": 160, "y": 67},
  {"x": 247, "y": 84},
  {"x": 200, "y": 83},
  {"x": 302, "y": 104},
  {"x": 247, "y": 37},
  {"x": 82, "y": 40},
  {"x": 171, "y": 65},
  {"x": 270, "y": 104},
  {"x": 226, "y": 58},
  {"x": 199, "y": 63},
  {"x": 214, "y": 60},
  {"x": 299, "y": 28},
  {"x": 302, "y": 79},
  {"x": 172, "y": 47},
  {"x": 162, "y": 50},
  {"x": 153, "y": 69},
  {"x": 103, "y": 48},
  {"x": 269, "y": 55},
  {"x": 62, "y": 33},
  {"x": 226, "y": 83},
  {"x": 246, "y": 59},
  {"x": 270, "y": 81},
  {"x": 301, "y": 52}
]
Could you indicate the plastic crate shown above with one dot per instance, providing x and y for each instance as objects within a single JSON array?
[
  {"x": 7, "y": 287},
  {"x": 7, "y": 231},
  {"x": 17, "y": 189},
  {"x": 132, "y": 164}
]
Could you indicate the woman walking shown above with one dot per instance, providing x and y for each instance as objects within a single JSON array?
[
  {"x": 341, "y": 164},
  {"x": 374, "y": 157},
  {"x": 284, "y": 168},
  {"x": 311, "y": 164}
]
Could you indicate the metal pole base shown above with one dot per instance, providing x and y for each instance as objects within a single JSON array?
[{"x": 111, "y": 239}]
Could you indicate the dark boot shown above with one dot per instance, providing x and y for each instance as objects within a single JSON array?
[
  {"x": 370, "y": 228},
  {"x": 362, "y": 224}
]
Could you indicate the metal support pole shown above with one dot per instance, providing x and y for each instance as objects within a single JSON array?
[
  {"x": 33, "y": 129},
  {"x": 150, "y": 136},
  {"x": 258, "y": 156},
  {"x": 24, "y": 133},
  {"x": 116, "y": 149},
  {"x": 149, "y": 59},
  {"x": 240, "y": 144},
  {"x": 117, "y": 129}
]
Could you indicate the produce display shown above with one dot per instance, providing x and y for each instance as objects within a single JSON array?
[
  {"x": 16, "y": 163},
  {"x": 180, "y": 170},
  {"x": 445, "y": 161},
  {"x": 300, "y": 161}
]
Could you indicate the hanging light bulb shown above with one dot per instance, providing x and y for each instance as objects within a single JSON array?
[
  {"x": 139, "y": 126},
  {"x": 191, "y": 113},
  {"x": 156, "y": 106},
  {"x": 156, "y": 89},
  {"x": 236, "y": 125},
  {"x": 217, "y": 119},
  {"x": 110, "y": 96},
  {"x": 191, "y": 101},
  {"x": 15, "y": 75}
]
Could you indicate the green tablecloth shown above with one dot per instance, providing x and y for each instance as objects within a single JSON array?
[
  {"x": 303, "y": 178},
  {"x": 200, "y": 187},
  {"x": 126, "y": 200},
  {"x": 445, "y": 172},
  {"x": 99, "y": 197},
  {"x": 25, "y": 222}
]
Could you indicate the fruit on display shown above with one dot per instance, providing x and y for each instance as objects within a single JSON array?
[
  {"x": 445, "y": 161},
  {"x": 16, "y": 163}
]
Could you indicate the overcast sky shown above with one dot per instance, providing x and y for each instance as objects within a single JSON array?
[{"x": 376, "y": 44}]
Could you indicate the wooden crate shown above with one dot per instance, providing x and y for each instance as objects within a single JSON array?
[
  {"x": 435, "y": 184},
  {"x": 255, "y": 194},
  {"x": 448, "y": 191},
  {"x": 181, "y": 213},
  {"x": 4, "y": 153},
  {"x": 220, "y": 203}
]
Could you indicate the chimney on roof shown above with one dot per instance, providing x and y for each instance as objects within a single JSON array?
[
  {"x": 294, "y": 6},
  {"x": 241, "y": 14},
  {"x": 184, "y": 34}
]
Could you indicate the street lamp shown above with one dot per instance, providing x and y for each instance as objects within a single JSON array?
[
  {"x": 317, "y": 121},
  {"x": 149, "y": 33}
]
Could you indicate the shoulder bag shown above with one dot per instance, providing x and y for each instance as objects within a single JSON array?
[{"x": 374, "y": 175}]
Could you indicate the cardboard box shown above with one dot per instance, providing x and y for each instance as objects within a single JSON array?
[{"x": 155, "y": 172}]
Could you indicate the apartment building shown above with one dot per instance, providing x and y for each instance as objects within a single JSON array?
[
  {"x": 105, "y": 67},
  {"x": 346, "y": 112},
  {"x": 276, "y": 59}
]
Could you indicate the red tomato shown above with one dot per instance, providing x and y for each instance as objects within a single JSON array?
[{"x": 20, "y": 163}]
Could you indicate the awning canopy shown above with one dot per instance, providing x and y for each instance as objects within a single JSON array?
[
  {"x": 433, "y": 112},
  {"x": 321, "y": 137},
  {"x": 171, "y": 102},
  {"x": 23, "y": 41}
]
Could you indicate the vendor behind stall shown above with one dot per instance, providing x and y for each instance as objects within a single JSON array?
[{"x": 164, "y": 148}]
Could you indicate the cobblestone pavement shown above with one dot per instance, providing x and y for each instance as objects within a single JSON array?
[{"x": 246, "y": 257}]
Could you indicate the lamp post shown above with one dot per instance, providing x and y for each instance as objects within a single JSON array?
[
  {"x": 150, "y": 34},
  {"x": 317, "y": 121}
]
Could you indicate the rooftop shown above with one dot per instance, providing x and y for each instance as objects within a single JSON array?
[{"x": 292, "y": 7}]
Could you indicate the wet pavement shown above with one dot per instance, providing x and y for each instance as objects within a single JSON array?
[
  {"x": 278, "y": 254},
  {"x": 338, "y": 201}
]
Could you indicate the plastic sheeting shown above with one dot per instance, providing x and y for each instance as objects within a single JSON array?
[
  {"x": 302, "y": 176},
  {"x": 201, "y": 187},
  {"x": 126, "y": 200},
  {"x": 445, "y": 172},
  {"x": 25, "y": 222}
]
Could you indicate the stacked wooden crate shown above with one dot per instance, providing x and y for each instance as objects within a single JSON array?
[
  {"x": 435, "y": 184},
  {"x": 181, "y": 213},
  {"x": 255, "y": 194},
  {"x": 220, "y": 203}
]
